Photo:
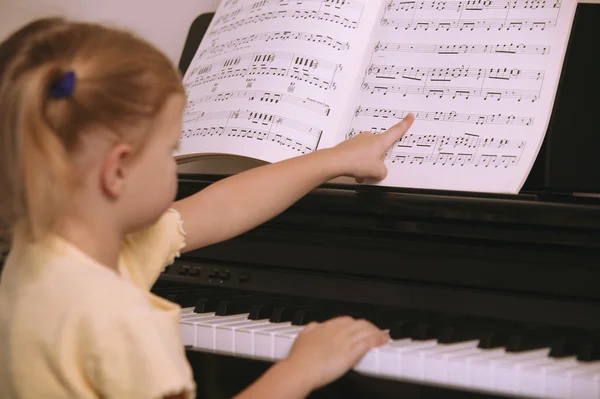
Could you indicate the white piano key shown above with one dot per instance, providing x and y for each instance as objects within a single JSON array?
[
  {"x": 437, "y": 366},
  {"x": 264, "y": 341},
  {"x": 483, "y": 371},
  {"x": 284, "y": 342},
  {"x": 459, "y": 372},
  {"x": 388, "y": 361},
  {"x": 403, "y": 367},
  {"x": 187, "y": 327},
  {"x": 508, "y": 374},
  {"x": 559, "y": 382},
  {"x": 587, "y": 385},
  {"x": 225, "y": 334},
  {"x": 533, "y": 376},
  {"x": 413, "y": 361},
  {"x": 205, "y": 329},
  {"x": 244, "y": 337},
  {"x": 195, "y": 316},
  {"x": 369, "y": 363},
  {"x": 185, "y": 311}
]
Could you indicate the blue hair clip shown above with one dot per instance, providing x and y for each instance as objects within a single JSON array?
[{"x": 64, "y": 87}]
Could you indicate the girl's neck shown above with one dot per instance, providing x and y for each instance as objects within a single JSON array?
[{"x": 98, "y": 239}]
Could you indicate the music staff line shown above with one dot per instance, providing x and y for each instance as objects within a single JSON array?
[
  {"x": 296, "y": 14},
  {"x": 448, "y": 74},
  {"x": 440, "y": 116},
  {"x": 283, "y": 36},
  {"x": 248, "y": 133},
  {"x": 296, "y": 66},
  {"x": 471, "y": 5},
  {"x": 277, "y": 5},
  {"x": 468, "y": 24},
  {"x": 453, "y": 92},
  {"x": 455, "y": 49},
  {"x": 469, "y": 149},
  {"x": 269, "y": 121},
  {"x": 267, "y": 97}
]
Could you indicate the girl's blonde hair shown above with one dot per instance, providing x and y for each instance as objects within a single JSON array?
[{"x": 120, "y": 81}]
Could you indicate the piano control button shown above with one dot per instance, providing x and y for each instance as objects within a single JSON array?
[
  {"x": 243, "y": 277},
  {"x": 184, "y": 270},
  {"x": 214, "y": 273},
  {"x": 194, "y": 271},
  {"x": 224, "y": 275}
]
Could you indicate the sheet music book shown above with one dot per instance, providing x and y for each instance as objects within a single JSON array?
[{"x": 274, "y": 79}]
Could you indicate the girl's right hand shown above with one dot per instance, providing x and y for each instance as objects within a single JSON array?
[{"x": 326, "y": 351}]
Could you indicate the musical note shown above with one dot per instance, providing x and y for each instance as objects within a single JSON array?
[
  {"x": 247, "y": 133},
  {"x": 471, "y": 5},
  {"x": 263, "y": 97},
  {"x": 453, "y": 92},
  {"x": 472, "y": 14},
  {"x": 314, "y": 11},
  {"x": 455, "y": 49},
  {"x": 439, "y": 116},
  {"x": 454, "y": 82},
  {"x": 466, "y": 150},
  {"x": 467, "y": 24},
  {"x": 314, "y": 71},
  {"x": 449, "y": 74},
  {"x": 251, "y": 124},
  {"x": 323, "y": 7},
  {"x": 232, "y": 45}
]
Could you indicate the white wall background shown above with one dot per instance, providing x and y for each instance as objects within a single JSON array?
[{"x": 163, "y": 22}]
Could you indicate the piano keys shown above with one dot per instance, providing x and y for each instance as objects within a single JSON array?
[{"x": 470, "y": 353}]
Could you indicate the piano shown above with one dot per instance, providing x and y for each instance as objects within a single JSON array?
[{"x": 485, "y": 296}]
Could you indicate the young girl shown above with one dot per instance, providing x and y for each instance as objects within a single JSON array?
[{"x": 89, "y": 118}]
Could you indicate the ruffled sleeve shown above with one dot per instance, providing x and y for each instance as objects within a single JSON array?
[{"x": 145, "y": 254}]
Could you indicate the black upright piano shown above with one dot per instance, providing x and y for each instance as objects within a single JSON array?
[{"x": 498, "y": 294}]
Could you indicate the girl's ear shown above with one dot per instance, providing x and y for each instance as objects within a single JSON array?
[{"x": 114, "y": 170}]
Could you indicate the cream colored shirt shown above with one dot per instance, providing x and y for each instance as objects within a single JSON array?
[{"x": 73, "y": 328}]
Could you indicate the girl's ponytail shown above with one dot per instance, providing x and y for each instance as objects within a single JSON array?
[
  {"x": 43, "y": 176},
  {"x": 60, "y": 80}
]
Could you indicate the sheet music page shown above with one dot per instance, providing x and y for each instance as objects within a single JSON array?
[
  {"x": 480, "y": 77},
  {"x": 270, "y": 79}
]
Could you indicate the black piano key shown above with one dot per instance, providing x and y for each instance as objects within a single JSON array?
[
  {"x": 264, "y": 308},
  {"x": 589, "y": 348},
  {"x": 282, "y": 314},
  {"x": 566, "y": 343},
  {"x": 463, "y": 330},
  {"x": 261, "y": 311},
  {"x": 304, "y": 316},
  {"x": 209, "y": 303},
  {"x": 185, "y": 298},
  {"x": 530, "y": 338},
  {"x": 410, "y": 324},
  {"x": 496, "y": 335},
  {"x": 240, "y": 305}
]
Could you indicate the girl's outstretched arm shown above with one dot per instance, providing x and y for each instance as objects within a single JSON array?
[{"x": 241, "y": 202}]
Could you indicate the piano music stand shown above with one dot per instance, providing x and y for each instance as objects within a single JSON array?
[{"x": 568, "y": 161}]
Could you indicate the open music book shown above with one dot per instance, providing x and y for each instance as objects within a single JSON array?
[{"x": 274, "y": 79}]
